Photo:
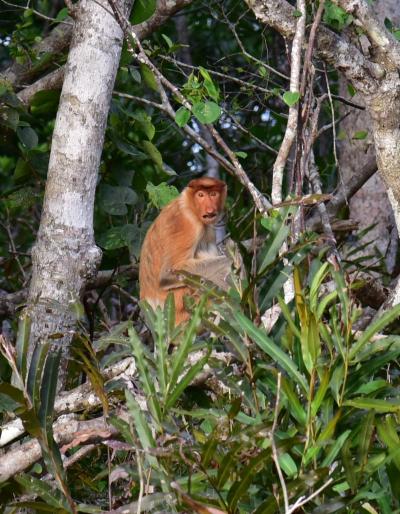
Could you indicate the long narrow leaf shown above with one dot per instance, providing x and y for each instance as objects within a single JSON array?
[
  {"x": 44, "y": 490},
  {"x": 374, "y": 328},
  {"x": 185, "y": 381},
  {"x": 35, "y": 372},
  {"x": 145, "y": 376},
  {"x": 180, "y": 357},
  {"x": 315, "y": 286},
  {"x": 161, "y": 344},
  {"x": 22, "y": 343},
  {"x": 269, "y": 347}
]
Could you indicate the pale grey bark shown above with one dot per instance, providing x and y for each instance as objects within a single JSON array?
[{"x": 65, "y": 255}]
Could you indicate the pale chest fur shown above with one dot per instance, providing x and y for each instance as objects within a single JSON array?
[{"x": 207, "y": 246}]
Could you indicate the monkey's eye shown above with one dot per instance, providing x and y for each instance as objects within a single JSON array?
[
  {"x": 213, "y": 193},
  {"x": 200, "y": 194}
]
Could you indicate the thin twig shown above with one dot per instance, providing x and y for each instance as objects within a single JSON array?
[
  {"x": 290, "y": 133},
  {"x": 218, "y": 74},
  {"x": 234, "y": 165},
  {"x": 39, "y": 14}
]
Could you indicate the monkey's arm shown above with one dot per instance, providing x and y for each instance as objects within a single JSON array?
[{"x": 215, "y": 269}]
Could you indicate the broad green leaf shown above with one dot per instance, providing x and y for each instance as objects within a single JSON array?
[
  {"x": 28, "y": 137},
  {"x": 182, "y": 116},
  {"x": 269, "y": 347},
  {"x": 45, "y": 102},
  {"x": 153, "y": 153},
  {"x": 288, "y": 465},
  {"x": 135, "y": 73},
  {"x": 62, "y": 14},
  {"x": 148, "y": 77},
  {"x": 335, "y": 16},
  {"x": 291, "y": 98},
  {"x": 142, "y": 10},
  {"x": 162, "y": 194},
  {"x": 207, "y": 112},
  {"x": 113, "y": 199},
  {"x": 170, "y": 44}
]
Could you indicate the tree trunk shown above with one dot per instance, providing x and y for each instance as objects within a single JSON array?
[
  {"x": 65, "y": 255},
  {"x": 370, "y": 205}
]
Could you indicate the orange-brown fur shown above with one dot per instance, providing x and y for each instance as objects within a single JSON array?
[{"x": 179, "y": 239}]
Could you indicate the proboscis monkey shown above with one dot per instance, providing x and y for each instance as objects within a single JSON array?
[{"x": 183, "y": 238}]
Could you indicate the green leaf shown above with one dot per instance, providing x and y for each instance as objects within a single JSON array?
[
  {"x": 361, "y": 134},
  {"x": 296, "y": 14},
  {"x": 167, "y": 40},
  {"x": 315, "y": 286},
  {"x": 364, "y": 438},
  {"x": 242, "y": 155},
  {"x": 207, "y": 112},
  {"x": 145, "y": 376},
  {"x": 161, "y": 195},
  {"x": 351, "y": 89},
  {"x": 381, "y": 406},
  {"x": 153, "y": 153},
  {"x": 182, "y": 116},
  {"x": 179, "y": 358},
  {"x": 185, "y": 381},
  {"x": 372, "y": 329},
  {"x": 9, "y": 118},
  {"x": 62, "y": 14},
  {"x": 135, "y": 74},
  {"x": 335, "y": 449},
  {"x": 112, "y": 239},
  {"x": 287, "y": 464},
  {"x": 148, "y": 77},
  {"x": 40, "y": 488},
  {"x": 28, "y": 137},
  {"x": 141, "y": 426},
  {"x": 241, "y": 486},
  {"x": 45, "y": 102},
  {"x": 335, "y": 16},
  {"x": 113, "y": 199},
  {"x": 270, "y": 348},
  {"x": 291, "y": 98},
  {"x": 130, "y": 149},
  {"x": 142, "y": 10},
  {"x": 24, "y": 331}
]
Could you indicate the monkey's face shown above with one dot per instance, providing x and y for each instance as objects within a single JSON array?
[{"x": 207, "y": 205}]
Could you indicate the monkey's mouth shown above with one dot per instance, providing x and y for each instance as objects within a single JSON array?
[{"x": 210, "y": 216}]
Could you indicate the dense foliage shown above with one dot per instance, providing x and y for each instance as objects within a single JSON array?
[{"x": 234, "y": 417}]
